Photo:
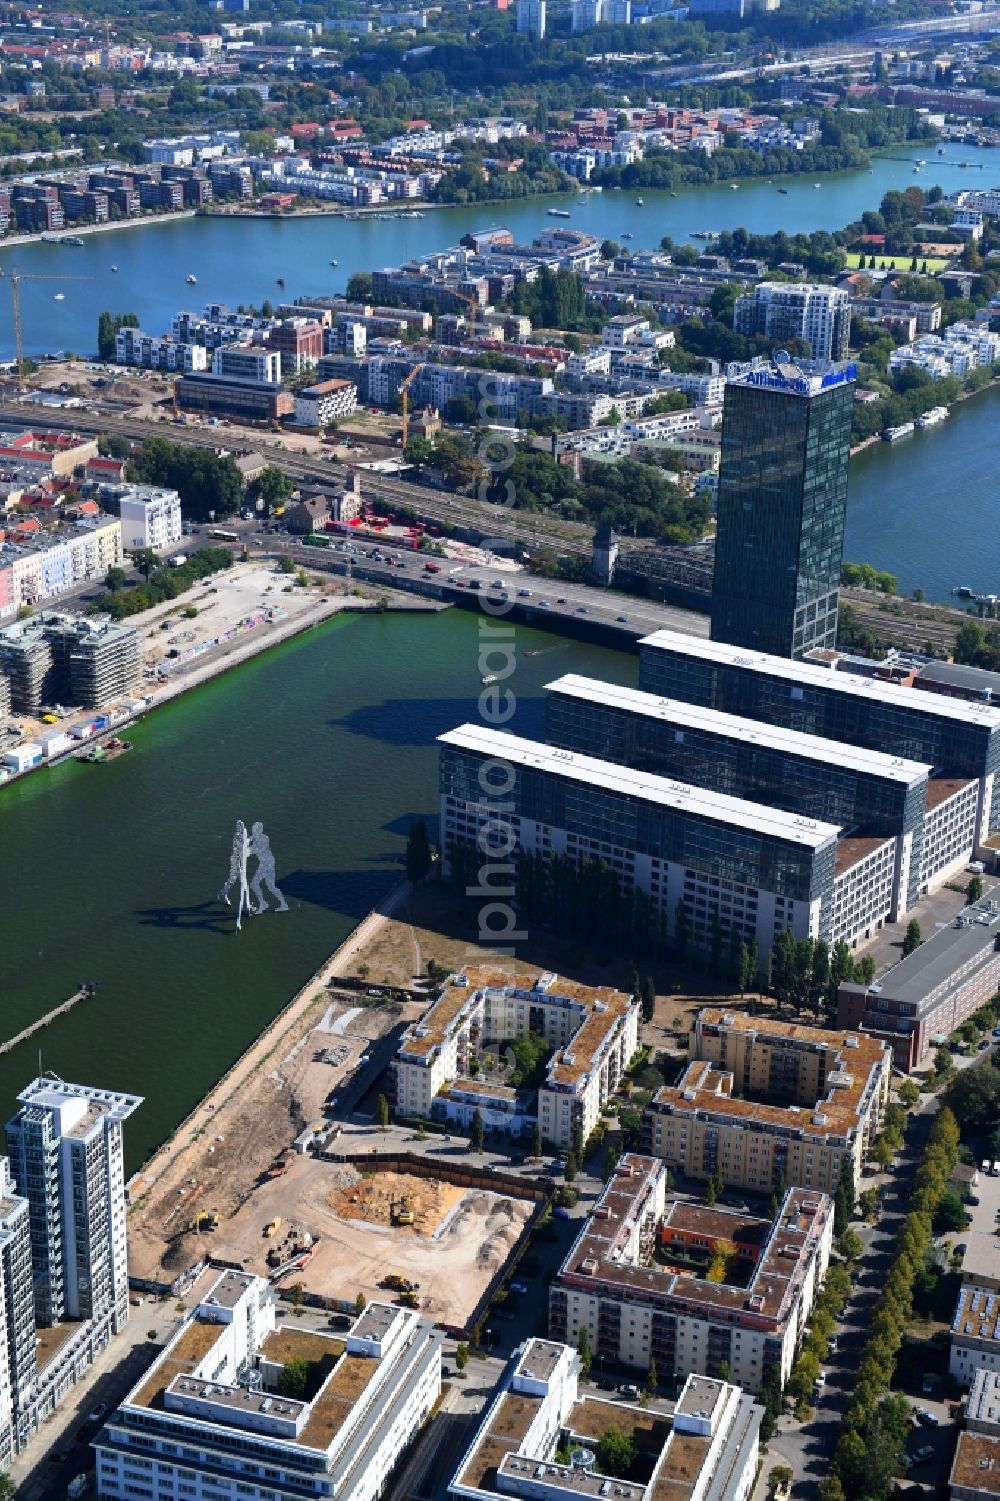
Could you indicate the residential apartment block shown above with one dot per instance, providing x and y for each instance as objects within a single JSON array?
[
  {"x": 66, "y": 1160},
  {"x": 50, "y": 562},
  {"x": 636, "y": 1310},
  {"x": 593, "y": 1034},
  {"x": 765, "y": 1102},
  {"x": 208, "y": 1419},
  {"x": 150, "y": 516},
  {"x": 781, "y": 310},
  {"x": 87, "y": 661},
  {"x": 707, "y": 1452},
  {"x": 960, "y": 739},
  {"x": 18, "y": 1359},
  {"x": 325, "y": 402}
]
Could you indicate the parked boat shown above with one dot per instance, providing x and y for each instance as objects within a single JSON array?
[
  {"x": 783, "y": 191},
  {"x": 933, "y": 417},
  {"x": 558, "y": 213},
  {"x": 72, "y": 240},
  {"x": 106, "y": 750},
  {"x": 114, "y": 268},
  {"x": 191, "y": 279},
  {"x": 59, "y": 297},
  {"x": 639, "y": 203},
  {"x": 893, "y": 434},
  {"x": 281, "y": 281},
  {"x": 333, "y": 263}
]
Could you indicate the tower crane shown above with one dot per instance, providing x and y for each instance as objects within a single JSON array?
[
  {"x": 404, "y": 398},
  {"x": 16, "y": 277}
]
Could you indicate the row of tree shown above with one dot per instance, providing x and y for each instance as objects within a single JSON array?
[
  {"x": 160, "y": 583},
  {"x": 871, "y": 1449}
]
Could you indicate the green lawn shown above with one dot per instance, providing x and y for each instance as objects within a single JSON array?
[{"x": 925, "y": 267}]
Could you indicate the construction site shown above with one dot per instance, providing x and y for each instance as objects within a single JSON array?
[{"x": 421, "y": 1238}]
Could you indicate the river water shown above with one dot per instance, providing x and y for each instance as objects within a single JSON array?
[{"x": 111, "y": 873}]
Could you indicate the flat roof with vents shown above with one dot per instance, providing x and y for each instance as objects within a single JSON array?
[
  {"x": 628, "y": 781},
  {"x": 808, "y": 674},
  {"x": 751, "y": 731}
]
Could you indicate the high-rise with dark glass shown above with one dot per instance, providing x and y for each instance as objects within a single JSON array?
[{"x": 782, "y": 502}]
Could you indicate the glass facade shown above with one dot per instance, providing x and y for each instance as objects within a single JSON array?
[
  {"x": 860, "y": 802},
  {"x": 781, "y": 506},
  {"x": 673, "y": 835},
  {"x": 906, "y": 727}
]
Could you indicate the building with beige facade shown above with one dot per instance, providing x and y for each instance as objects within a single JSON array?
[
  {"x": 593, "y": 1033},
  {"x": 765, "y": 1102},
  {"x": 637, "y": 1310}
]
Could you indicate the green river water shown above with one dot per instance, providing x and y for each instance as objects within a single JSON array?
[{"x": 111, "y": 873}]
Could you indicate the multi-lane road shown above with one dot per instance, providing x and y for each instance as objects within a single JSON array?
[{"x": 502, "y": 589}]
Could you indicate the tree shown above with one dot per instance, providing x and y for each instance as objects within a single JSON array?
[
  {"x": 536, "y": 1140},
  {"x": 360, "y": 1304},
  {"x": 145, "y": 559},
  {"x": 583, "y": 1349},
  {"x": 476, "y": 1132},
  {"x": 293, "y": 1379},
  {"x": 713, "y": 1187},
  {"x": 108, "y": 325},
  {"x": 850, "y": 1245},
  {"x": 570, "y": 1167},
  {"x": 208, "y": 485},
  {"x": 974, "y": 890},
  {"x": 652, "y": 1379},
  {"x": 648, "y": 999},
  {"x": 950, "y": 1215},
  {"x": 909, "y": 1094},
  {"x": 974, "y": 1097},
  {"x": 843, "y": 1200},
  {"x": 749, "y": 959},
  {"x": 912, "y": 939},
  {"x": 830, "y": 1489},
  {"x": 616, "y": 1453},
  {"x": 772, "y": 1401},
  {"x": 461, "y": 1358},
  {"x": 382, "y": 1113},
  {"x": 418, "y": 852},
  {"x": 270, "y": 489},
  {"x": 115, "y": 578},
  {"x": 943, "y": 1063},
  {"x": 780, "y": 1475}
]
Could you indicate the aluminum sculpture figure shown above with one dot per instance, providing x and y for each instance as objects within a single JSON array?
[{"x": 264, "y": 877}]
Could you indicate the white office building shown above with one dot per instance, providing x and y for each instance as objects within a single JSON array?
[
  {"x": 249, "y": 364},
  {"x": 208, "y": 1421},
  {"x": 708, "y": 1452}
]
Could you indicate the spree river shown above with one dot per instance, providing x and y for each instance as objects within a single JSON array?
[{"x": 110, "y": 873}]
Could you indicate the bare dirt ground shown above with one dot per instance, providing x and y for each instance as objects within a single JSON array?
[
  {"x": 460, "y": 1237},
  {"x": 434, "y": 925},
  {"x": 221, "y": 1167}
]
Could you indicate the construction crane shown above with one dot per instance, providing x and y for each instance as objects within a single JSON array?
[
  {"x": 404, "y": 397},
  {"x": 16, "y": 277}
]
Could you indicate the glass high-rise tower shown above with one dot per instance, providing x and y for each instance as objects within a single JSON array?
[{"x": 786, "y": 434}]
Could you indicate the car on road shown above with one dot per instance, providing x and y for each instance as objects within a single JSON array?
[
  {"x": 921, "y": 1456},
  {"x": 621, "y": 617},
  {"x": 927, "y": 1418},
  {"x": 628, "y": 1390},
  {"x": 505, "y": 1314},
  {"x": 561, "y": 600},
  {"x": 520, "y": 1288},
  {"x": 99, "y": 1412},
  {"x": 820, "y": 1382},
  {"x": 930, "y": 1383},
  {"x": 581, "y": 609},
  {"x": 524, "y": 593}
]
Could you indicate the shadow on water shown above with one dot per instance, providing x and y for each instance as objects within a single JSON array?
[
  {"x": 399, "y": 721},
  {"x": 350, "y": 892},
  {"x": 203, "y": 917}
]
